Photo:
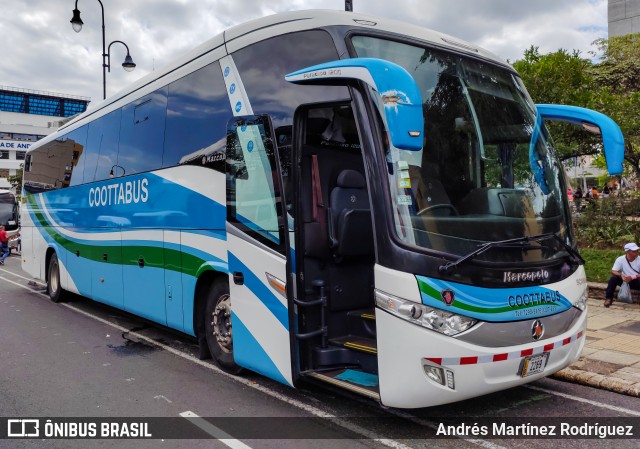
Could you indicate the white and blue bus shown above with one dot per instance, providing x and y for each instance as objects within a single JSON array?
[{"x": 326, "y": 195}]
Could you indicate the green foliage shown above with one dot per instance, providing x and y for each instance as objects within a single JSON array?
[
  {"x": 619, "y": 68},
  {"x": 598, "y": 262},
  {"x": 605, "y": 225},
  {"x": 559, "y": 77}
]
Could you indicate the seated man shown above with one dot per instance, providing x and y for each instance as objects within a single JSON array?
[{"x": 626, "y": 268}]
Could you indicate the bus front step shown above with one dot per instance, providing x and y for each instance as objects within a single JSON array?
[
  {"x": 362, "y": 323},
  {"x": 356, "y": 343},
  {"x": 354, "y": 380},
  {"x": 347, "y": 351}
]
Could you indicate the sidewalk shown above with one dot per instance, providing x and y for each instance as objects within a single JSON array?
[{"x": 611, "y": 356}]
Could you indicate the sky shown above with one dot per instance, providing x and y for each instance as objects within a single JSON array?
[{"x": 40, "y": 51}]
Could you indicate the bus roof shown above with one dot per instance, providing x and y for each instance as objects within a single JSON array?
[{"x": 247, "y": 33}]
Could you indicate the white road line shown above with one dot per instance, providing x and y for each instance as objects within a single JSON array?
[
  {"x": 30, "y": 279},
  {"x": 586, "y": 401},
  {"x": 214, "y": 431},
  {"x": 365, "y": 433},
  {"x": 26, "y": 287}
]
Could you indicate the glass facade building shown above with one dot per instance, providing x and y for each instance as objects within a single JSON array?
[{"x": 40, "y": 103}]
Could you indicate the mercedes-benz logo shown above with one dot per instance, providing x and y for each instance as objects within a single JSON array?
[{"x": 537, "y": 330}]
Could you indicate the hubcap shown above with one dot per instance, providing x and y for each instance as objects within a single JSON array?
[
  {"x": 221, "y": 323},
  {"x": 54, "y": 279}
]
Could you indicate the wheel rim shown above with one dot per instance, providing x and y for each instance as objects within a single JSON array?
[
  {"x": 221, "y": 323},
  {"x": 54, "y": 279}
]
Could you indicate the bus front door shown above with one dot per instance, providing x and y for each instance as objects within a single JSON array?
[{"x": 257, "y": 250}]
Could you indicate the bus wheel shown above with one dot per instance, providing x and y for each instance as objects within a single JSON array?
[
  {"x": 218, "y": 330},
  {"x": 53, "y": 280}
]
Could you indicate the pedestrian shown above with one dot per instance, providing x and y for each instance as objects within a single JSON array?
[
  {"x": 4, "y": 245},
  {"x": 594, "y": 192},
  {"x": 577, "y": 198},
  {"x": 626, "y": 268},
  {"x": 605, "y": 191},
  {"x": 588, "y": 196}
]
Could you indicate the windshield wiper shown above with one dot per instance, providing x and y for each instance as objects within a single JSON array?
[{"x": 520, "y": 242}]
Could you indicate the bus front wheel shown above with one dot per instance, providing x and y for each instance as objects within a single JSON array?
[
  {"x": 53, "y": 279},
  {"x": 217, "y": 327}
]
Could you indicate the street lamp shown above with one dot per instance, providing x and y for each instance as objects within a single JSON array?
[{"x": 128, "y": 64}]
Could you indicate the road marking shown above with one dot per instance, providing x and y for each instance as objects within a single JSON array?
[
  {"x": 293, "y": 402},
  {"x": 586, "y": 401},
  {"x": 23, "y": 277},
  {"x": 214, "y": 431}
]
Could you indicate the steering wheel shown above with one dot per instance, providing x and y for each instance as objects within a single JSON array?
[{"x": 450, "y": 207}]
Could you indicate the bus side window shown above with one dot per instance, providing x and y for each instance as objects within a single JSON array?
[
  {"x": 197, "y": 112},
  {"x": 142, "y": 134},
  {"x": 102, "y": 147},
  {"x": 53, "y": 165}
]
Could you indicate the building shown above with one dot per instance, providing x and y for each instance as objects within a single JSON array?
[
  {"x": 26, "y": 116},
  {"x": 624, "y": 17}
]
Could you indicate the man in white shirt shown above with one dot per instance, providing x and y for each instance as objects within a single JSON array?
[{"x": 626, "y": 268}]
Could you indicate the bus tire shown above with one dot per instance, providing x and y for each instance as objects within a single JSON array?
[
  {"x": 217, "y": 326},
  {"x": 53, "y": 280}
]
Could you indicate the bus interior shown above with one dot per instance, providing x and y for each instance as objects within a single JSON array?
[{"x": 337, "y": 254}]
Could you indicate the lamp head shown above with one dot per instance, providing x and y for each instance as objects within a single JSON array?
[
  {"x": 128, "y": 63},
  {"x": 76, "y": 21}
]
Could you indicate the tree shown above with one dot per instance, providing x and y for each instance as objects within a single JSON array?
[
  {"x": 561, "y": 78},
  {"x": 617, "y": 78}
]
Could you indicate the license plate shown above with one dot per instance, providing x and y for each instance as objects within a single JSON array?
[{"x": 533, "y": 364}]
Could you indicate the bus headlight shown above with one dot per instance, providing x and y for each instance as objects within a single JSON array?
[
  {"x": 581, "y": 303},
  {"x": 435, "y": 319}
]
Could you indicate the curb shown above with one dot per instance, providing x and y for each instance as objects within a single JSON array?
[
  {"x": 596, "y": 380},
  {"x": 581, "y": 377}
]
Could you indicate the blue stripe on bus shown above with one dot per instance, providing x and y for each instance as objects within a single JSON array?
[
  {"x": 121, "y": 240},
  {"x": 497, "y": 304},
  {"x": 251, "y": 354},
  {"x": 181, "y": 207},
  {"x": 261, "y": 291}
]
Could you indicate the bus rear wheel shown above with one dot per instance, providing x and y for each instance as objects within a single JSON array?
[
  {"x": 53, "y": 280},
  {"x": 218, "y": 331}
]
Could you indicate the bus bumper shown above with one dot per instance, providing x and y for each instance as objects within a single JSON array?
[{"x": 404, "y": 349}]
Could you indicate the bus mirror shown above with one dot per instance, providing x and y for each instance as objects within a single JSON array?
[
  {"x": 397, "y": 90},
  {"x": 592, "y": 121}
]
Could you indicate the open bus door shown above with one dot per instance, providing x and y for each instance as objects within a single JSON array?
[
  {"x": 337, "y": 336},
  {"x": 258, "y": 250}
]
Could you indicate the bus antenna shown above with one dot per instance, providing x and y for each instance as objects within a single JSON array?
[{"x": 348, "y": 5}]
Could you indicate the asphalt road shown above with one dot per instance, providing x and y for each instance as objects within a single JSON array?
[{"x": 86, "y": 361}]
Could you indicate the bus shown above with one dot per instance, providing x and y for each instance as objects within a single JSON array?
[
  {"x": 10, "y": 218},
  {"x": 326, "y": 196}
]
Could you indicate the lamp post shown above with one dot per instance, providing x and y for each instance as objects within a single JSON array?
[{"x": 128, "y": 64}]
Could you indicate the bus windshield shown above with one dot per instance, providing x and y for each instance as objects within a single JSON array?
[{"x": 487, "y": 171}]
